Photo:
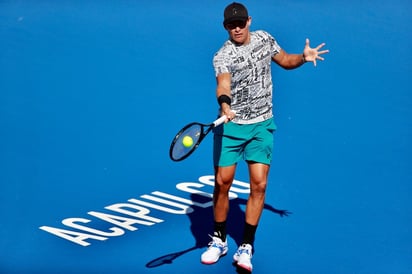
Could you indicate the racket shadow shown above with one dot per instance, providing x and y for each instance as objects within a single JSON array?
[
  {"x": 201, "y": 225},
  {"x": 168, "y": 259},
  {"x": 201, "y": 220}
]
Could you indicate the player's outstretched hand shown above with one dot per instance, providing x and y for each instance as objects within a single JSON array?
[{"x": 313, "y": 54}]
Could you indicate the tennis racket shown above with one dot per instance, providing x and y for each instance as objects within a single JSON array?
[{"x": 189, "y": 138}]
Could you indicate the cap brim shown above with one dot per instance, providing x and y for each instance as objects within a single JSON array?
[{"x": 235, "y": 18}]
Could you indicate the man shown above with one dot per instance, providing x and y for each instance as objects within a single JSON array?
[{"x": 244, "y": 93}]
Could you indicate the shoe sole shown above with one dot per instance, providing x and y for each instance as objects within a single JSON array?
[{"x": 246, "y": 267}]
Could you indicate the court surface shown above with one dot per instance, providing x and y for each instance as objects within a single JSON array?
[{"x": 92, "y": 93}]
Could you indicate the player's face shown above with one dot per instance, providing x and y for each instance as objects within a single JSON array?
[{"x": 239, "y": 31}]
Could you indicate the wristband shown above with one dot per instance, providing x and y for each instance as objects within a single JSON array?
[{"x": 224, "y": 99}]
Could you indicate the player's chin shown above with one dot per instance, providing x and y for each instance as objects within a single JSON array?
[{"x": 239, "y": 39}]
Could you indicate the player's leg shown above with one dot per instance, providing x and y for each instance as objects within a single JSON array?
[
  {"x": 258, "y": 154},
  {"x": 218, "y": 246},
  {"x": 227, "y": 151},
  {"x": 223, "y": 181},
  {"x": 258, "y": 173},
  {"x": 254, "y": 207},
  {"x": 225, "y": 159}
]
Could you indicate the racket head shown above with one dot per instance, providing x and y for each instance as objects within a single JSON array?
[{"x": 178, "y": 151}]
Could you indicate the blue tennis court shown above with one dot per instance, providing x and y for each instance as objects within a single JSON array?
[{"x": 92, "y": 93}]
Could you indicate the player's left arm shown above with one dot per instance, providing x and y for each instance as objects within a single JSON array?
[{"x": 291, "y": 61}]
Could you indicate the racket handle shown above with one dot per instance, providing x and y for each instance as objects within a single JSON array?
[{"x": 221, "y": 120}]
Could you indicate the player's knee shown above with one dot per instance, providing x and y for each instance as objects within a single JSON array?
[
  {"x": 224, "y": 177},
  {"x": 223, "y": 183},
  {"x": 258, "y": 187}
]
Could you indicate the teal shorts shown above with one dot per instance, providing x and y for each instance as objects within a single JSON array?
[{"x": 251, "y": 142}]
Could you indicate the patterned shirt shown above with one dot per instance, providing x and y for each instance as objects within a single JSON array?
[{"x": 250, "y": 68}]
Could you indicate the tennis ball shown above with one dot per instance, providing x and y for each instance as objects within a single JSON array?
[{"x": 187, "y": 141}]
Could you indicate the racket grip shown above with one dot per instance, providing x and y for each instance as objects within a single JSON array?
[{"x": 221, "y": 120}]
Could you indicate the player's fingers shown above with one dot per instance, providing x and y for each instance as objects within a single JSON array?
[{"x": 320, "y": 46}]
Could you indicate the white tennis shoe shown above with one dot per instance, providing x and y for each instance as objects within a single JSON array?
[
  {"x": 243, "y": 257},
  {"x": 217, "y": 248}
]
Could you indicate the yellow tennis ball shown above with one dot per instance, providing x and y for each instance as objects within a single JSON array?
[{"x": 187, "y": 141}]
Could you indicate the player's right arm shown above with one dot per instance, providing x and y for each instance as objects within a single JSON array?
[{"x": 223, "y": 89}]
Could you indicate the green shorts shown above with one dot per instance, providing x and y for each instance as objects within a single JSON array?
[{"x": 250, "y": 142}]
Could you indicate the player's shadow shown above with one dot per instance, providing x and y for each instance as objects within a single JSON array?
[{"x": 201, "y": 225}]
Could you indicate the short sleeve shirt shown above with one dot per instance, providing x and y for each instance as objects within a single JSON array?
[{"x": 250, "y": 69}]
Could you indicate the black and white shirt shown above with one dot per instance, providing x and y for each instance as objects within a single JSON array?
[{"x": 250, "y": 68}]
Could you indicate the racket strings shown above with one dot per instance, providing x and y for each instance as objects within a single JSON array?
[{"x": 179, "y": 149}]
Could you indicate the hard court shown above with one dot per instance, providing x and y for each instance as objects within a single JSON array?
[{"x": 92, "y": 93}]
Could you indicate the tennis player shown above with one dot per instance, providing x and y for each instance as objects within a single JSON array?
[{"x": 244, "y": 85}]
